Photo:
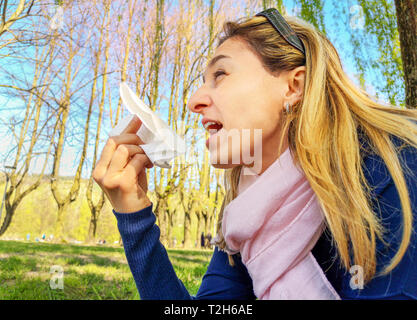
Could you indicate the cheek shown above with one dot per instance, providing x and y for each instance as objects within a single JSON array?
[
  {"x": 262, "y": 125},
  {"x": 248, "y": 105},
  {"x": 244, "y": 105}
]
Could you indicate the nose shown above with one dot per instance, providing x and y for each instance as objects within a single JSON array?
[{"x": 198, "y": 101}]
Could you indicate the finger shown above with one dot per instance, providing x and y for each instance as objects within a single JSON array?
[
  {"x": 135, "y": 169},
  {"x": 136, "y": 164},
  {"x": 112, "y": 144},
  {"x": 122, "y": 155},
  {"x": 127, "y": 138},
  {"x": 133, "y": 125},
  {"x": 142, "y": 180},
  {"x": 150, "y": 165}
]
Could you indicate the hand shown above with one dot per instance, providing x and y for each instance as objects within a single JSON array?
[{"x": 120, "y": 171}]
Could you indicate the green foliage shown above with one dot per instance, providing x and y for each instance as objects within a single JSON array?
[
  {"x": 380, "y": 32},
  {"x": 312, "y": 11}
]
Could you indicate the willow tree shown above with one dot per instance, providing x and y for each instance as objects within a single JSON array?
[{"x": 312, "y": 11}]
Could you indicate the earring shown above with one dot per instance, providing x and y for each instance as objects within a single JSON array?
[{"x": 287, "y": 108}]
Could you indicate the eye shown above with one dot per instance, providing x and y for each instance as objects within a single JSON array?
[{"x": 218, "y": 73}]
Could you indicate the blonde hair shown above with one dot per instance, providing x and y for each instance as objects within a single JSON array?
[{"x": 323, "y": 137}]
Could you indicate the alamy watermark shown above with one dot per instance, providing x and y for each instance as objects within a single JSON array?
[
  {"x": 243, "y": 146},
  {"x": 57, "y": 278},
  {"x": 356, "y": 281},
  {"x": 357, "y": 21},
  {"x": 57, "y": 21},
  {"x": 238, "y": 143}
]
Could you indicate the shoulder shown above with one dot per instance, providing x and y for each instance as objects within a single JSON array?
[
  {"x": 384, "y": 196},
  {"x": 376, "y": 171},
  {"x": 387, "y": 206},
  {"x": 400, "y": 283},
  {"x": 222, "y": 281}
]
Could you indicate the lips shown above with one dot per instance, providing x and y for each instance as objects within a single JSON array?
[
  {"x": 211, "y": 124},
  {"x": 213, "y": 127}
]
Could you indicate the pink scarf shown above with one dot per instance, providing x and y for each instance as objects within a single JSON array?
[{"x": 274, "y": 222}]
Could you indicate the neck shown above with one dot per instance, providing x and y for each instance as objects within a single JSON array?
[{"x": 270, "y": 153}]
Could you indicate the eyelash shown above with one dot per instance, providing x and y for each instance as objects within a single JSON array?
[{"x": 218, "y": 73}]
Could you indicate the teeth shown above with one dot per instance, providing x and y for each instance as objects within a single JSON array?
[{"x": 209, "y": 123}]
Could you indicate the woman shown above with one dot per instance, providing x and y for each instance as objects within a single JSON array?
[{"x": 358, "y": 156}]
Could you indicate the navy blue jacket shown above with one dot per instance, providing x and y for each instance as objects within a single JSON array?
[{"x": 156, "y": 279}]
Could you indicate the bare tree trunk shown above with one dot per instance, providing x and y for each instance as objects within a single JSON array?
[
  {"x": 407, "y": 28},
  {"x": 64, "y": 200},
  {"x": 160, "y": 213},
  {"x": 160, "y": 190},
  {"x": 95, "y": 208},
  {"x": 188, "y": 242},
  {"x": 170, "y": 223},
  {"x": 199, "y": 228}
]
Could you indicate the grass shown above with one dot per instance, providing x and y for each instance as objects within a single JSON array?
[{"x": 90, "y": 272}]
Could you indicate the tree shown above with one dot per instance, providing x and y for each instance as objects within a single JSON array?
[
  {"x": 95, "y": 208},
  {"x": 407, "y": 27},
  {"x": 123, "y": 71},
  {"x": 8, "y": 19},
  {"x": 74, "y": 47},
  {"x": 30, "y": 130}
]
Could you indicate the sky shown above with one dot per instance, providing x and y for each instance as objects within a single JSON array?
[{"x": 340, "y": 38}]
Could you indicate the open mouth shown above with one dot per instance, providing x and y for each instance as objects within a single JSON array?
[{"x": 213, "y": 127}]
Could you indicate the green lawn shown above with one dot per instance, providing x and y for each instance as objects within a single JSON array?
[{"x": 90, "y": 272}]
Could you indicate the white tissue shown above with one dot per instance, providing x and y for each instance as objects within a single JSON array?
[{"x": 161, "y": 143}]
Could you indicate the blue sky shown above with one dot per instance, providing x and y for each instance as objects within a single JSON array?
[{"x": 337, "y": 27}]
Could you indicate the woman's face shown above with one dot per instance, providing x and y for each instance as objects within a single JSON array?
[{"x": 247, "y": 101}]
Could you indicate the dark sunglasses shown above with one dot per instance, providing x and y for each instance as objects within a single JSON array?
[{"x": 284, "y": 29}]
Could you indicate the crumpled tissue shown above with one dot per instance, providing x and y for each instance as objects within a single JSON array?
[{"x": 161, "y": 143}]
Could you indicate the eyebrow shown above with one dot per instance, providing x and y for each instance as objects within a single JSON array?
[{"x": 213, "y": 61}]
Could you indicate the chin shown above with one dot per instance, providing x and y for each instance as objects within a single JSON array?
[
  {"x": 224, "y": 166},
  {"x": 219, "y": 160}
]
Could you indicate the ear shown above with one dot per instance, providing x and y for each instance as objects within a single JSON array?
[{"x": 295, "y": 80}]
